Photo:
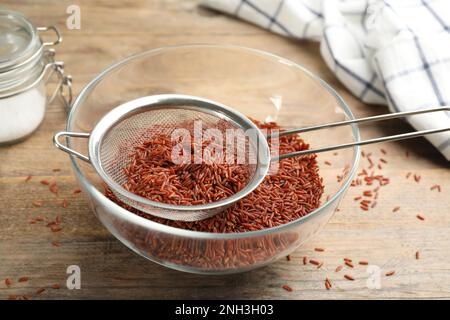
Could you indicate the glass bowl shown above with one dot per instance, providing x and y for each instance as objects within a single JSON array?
[{"x": 261, "y": 85}]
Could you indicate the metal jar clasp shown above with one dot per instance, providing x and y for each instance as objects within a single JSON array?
[
  {"x": 63, "y": 89},
  {"x": 54, "y": 29}
]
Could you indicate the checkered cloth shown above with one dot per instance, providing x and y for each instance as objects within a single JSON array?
[{"x": 394, "y": 52}]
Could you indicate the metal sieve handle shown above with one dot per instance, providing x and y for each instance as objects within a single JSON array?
[
  {"x": 402, "y": 136},
  {"x": 65, "y": 148}
]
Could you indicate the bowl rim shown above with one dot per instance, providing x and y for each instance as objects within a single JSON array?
[{"x": 149, "y": 224}]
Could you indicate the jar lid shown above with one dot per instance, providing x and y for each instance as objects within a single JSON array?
[{"x": 19, "y": 40}]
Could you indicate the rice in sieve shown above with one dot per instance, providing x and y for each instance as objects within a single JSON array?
[{"x": 117, "y": 134}]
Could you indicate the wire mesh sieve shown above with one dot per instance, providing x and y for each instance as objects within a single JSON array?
[
  {"x": 117, "y": 135},
  {"x": 119, "y": 132}
]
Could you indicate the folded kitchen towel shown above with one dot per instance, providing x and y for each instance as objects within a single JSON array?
[{"x": 394, "y": 52}]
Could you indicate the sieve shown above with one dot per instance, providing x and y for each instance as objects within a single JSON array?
[{"x": 122, "y": 129}]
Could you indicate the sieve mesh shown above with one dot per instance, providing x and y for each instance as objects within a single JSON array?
[{"x": 121, "y": 139}]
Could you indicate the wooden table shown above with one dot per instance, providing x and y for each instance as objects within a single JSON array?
[{"x": 111, "y": 30}]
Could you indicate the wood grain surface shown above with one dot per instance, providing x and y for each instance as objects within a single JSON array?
[{"x": 111, "y": 30}]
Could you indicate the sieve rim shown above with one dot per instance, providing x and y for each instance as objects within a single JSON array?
[{"x": 178, "y": 101}]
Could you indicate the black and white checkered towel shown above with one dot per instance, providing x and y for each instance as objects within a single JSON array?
[{"x": 394, "y": 52}]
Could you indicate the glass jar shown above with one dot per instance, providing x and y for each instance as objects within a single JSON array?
[{"x": 26, "y": 65}]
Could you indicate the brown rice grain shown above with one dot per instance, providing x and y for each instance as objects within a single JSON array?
[
  {"x": 287, "y": 288},
  {"x": 349, "y": 277}
]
